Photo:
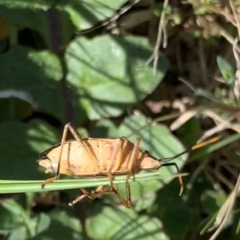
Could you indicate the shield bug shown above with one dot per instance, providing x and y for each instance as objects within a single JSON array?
[{"x": 102, "y": 157}]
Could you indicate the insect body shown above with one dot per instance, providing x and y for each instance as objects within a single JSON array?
[{"x": 100, "y": 157}]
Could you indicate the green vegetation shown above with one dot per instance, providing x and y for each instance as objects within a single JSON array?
[{"x": 168, "y": 74}]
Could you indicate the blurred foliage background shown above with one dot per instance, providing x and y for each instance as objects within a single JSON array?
[{"x": 166, "y": 71}]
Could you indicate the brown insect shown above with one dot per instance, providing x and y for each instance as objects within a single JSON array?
[{"x": 102, "y": 157}]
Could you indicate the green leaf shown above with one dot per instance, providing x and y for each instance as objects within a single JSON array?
[
  {"x": 226, "y": 70},
  {"x": 19, "y": 234},
  {"x": 13, "y": 207},
  {"x": 125, "y": 224},
  {"x": 14, "y": 108},
  {"x": 167, "y": 197},
  {"x": 36, "y": 74},
  {"x": 103, "y": 129},
  {"x": 193, "y": 126},
  {"x": 62, "y": 226},
  {"x": 34, "y": 4},
  {"x": 85, "y": 13},
  {"x": 109, "y": 74},
  {"x": 20, "y": 147},
  {"x": 11, "y": 219},
  {"x": 42, "y": 22},
  {"x": 41, "y": 223},
  {"x": 179, "y": 225},
  {"x": 213, "y": 200},
  {"x": 27, "y": 227},
  {"x": 146, "y": 201}
]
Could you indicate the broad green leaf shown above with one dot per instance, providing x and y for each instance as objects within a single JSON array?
[
  {"x": 124, "y": 224},
  {"x": 146, "y": 201},
  {"x": 33, "y": 4},
  {"x": 9, "y": 218},
  {"x": 226, "y": 70},
  {"x": 143, "y": 193},
  {"x": 20, "y": 146},
  {"x": 104, "y": 128},
  {"x": 140, "y": 189},
  {"x": 21, "y": 226},
  {"x": 171, "y": 209},
  {"x": 212, "y": 200},
  {"x": 193, "y": 126},
  {"x": 15, "y": 208},
  {"x": 14, "y": 109},
  {"x": 35, "y": 226},
  {"x": 167, "y": 197},
  {"x": 19, "y": 234},
  {"x": 109, "y": 74},
  {"x": 46, "y": 23},
  {"x": 62, "y": 226},
  {"x": 85, "y": 13},
  {"x": 40, "y": 223},
  {"x": 36, "y": 74},
  {"x": 177, "y": 221}
]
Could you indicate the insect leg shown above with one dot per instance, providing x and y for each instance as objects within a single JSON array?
[
  {"x": 78, "y": 199},
  {"x": 64, "y": 136},
  {"x": 83, "y": 143},
  {"x": 126, "y": 203},
  {"x": 133, "y": 157},
  {"x": 179, "y": 176},
  {"x": 91, "y": 195},
  {"x": 116, "y": 160},
  {"x": 103, "y": 191}
]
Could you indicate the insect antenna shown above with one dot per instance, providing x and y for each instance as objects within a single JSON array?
[{"x": 194, "y": 147}]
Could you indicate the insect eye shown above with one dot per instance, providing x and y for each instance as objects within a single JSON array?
[
  {"x": 147, "y": 154},
  {"x": 43, "y": 155}
]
